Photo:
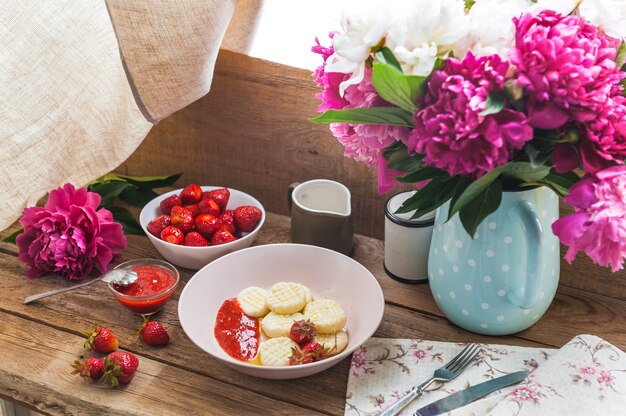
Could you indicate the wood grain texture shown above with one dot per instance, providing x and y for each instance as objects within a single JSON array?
[
  {"x": 252, "y": 133},
  {"x": 35, "y": 371},
  {"x": 183, "y": 369}
]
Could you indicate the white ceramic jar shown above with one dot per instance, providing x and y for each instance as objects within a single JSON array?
[{"x": 407, "y": 241}]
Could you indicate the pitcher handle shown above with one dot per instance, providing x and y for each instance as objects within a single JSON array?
[
  {"x": 289, "y": 193},
  {"x": 526, "y": 297}
]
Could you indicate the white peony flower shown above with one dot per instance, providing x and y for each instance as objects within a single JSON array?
[
  {"x": 419, "y": 61},
  {"x": 424, "y": 30},
  {"x": 561, "y": 6},
  {"x": 361, "y": 31},
  {"x": 608, "y": 15},
  {"x": 491, "y": 27}
]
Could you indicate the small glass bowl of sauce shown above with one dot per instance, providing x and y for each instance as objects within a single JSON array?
[{"x": 156, "y": 283}]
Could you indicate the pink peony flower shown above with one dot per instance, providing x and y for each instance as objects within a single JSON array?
[
  {"x": 329, "y": 81},
  {"x": 605, "y": 141},
  {"x": 598, "y": 227},
  {"x": 362, "y": 142},
  {"x": 449, "y": 129},
  {"x": 68, "y": 236},
  {"x": 567, "y": 65}
]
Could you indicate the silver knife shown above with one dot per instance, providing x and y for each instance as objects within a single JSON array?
[{"x": 470, "y": 394}]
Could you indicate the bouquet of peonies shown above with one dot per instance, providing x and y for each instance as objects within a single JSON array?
[{"x": 467, "y": 99}]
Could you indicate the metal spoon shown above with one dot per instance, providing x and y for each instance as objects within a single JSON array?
[{"x": 121, "y": 277}]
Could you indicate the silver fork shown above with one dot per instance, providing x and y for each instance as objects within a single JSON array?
[{"x": 445, "y": 373}]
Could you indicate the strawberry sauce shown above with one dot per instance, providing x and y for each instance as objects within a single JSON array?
[
  {"x": 237, "y": 333},
  {"x": 151, "y": 281}
]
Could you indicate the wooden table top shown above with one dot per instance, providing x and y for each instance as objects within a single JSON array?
[{"x": 38, "y": 342}]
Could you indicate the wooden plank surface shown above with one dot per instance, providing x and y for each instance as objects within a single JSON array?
[
  {"x": 256, "y": 108},
  {"x": 34, "y": 372}
]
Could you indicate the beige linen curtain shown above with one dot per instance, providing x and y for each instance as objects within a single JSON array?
[{"x": 82, "y": 82}]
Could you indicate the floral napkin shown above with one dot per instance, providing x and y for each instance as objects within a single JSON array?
[{"x": 587, "y": 375}]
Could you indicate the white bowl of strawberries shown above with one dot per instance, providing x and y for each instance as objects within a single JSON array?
[{"x": 192, "y": 226}]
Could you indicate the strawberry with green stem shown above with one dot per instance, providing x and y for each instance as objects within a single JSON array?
[
  {"x": 302, "y": 331},
  {"x": 119, "y": 368},
  {"x": 152, "y": 332},
  {"x": 100, "y": 340},
  {"x": 92, "y": 368}
]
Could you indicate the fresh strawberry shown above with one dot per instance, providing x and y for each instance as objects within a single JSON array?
[
  {"x": 207, "y": 224},
  {"x": 298, "y": 356},
  {"x": 195, "y": 239},
  {"x": 172, "y": 235},
  {"x": 302, "y": 331},
  {"x": 193, "y": 208},
  {"x": 119, "y": 368},
  {"x": 220, "y": 196},
  {"x": 222, "y": 237},
  {"x": 170, "y": 202},
  {"x": 158, "y": 224},
  {"x": 315, "y": 350},
  {"x": 92, "y": 368},
  {"x": 191, "y": 194},
  {"x": 208, "y": 206},
  {"x": 247, "y": 217},
  {"x": 227, "y": 222},
  {"x": 182, "y": 218},
  {"x": 152, "y": 332},
  {"x": 100, "y": 340}
]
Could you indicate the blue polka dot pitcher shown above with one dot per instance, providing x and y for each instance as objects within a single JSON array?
[{"x": 504, "y": 279}]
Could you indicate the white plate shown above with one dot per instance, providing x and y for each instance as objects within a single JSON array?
[{"x": 327, "y": 273}]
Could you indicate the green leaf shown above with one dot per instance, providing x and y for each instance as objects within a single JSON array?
[
  {"x": 561, "y": 182},
  {"x": 526, "y": 172},
  {"x": 397, "y": 88},
  {"x": 386, "y": 56},
  {"x": 462, "y": 185},
  {"x": 427, "y": 172},
  {"x": 109, "y": 191},
  {"x": 536, "y": 156},
  {"x": 151, "y": 182},
  {"x": 13, "y": 236},
  {"x": 486, "y": 202},
  {"x": 137, "y": 197},
  {"x": 495, "y": 103},
  {"x": 404, "y": 162},
  {"x": 126, "y": 219},
  {"x": 441, "y": 62},
  {"x": 620, "y": 58},
  {"x": 430, "y": 197},
  {"x": 374, "y": 115},
  {"x": 395, "y": 146},
  {"x": 475, "y": 189}
]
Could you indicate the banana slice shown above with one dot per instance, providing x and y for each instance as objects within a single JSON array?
[
  {"x": 252, "y": 301},
  {"x": 276, "y": 351},
  {"x": 286, "y": 297},
  {"x": 326, "y": 314},
  {"x": 276, "y": 325},
  {"x": 333, "y": 343}
]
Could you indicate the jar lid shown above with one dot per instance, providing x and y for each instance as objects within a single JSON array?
[{"x": 405, "y": 220}]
